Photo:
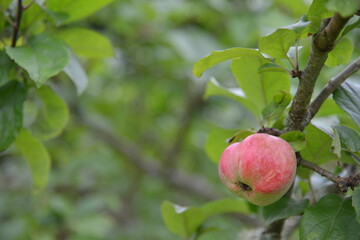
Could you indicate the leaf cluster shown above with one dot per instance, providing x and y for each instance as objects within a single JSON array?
[{"x": 38, "y": 45}]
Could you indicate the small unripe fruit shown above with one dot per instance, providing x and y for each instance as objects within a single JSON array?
[{"x": 261, "y": 168}]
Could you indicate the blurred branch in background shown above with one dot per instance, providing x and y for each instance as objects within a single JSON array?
[
  {"x": 187, "y": 182},
  {"x": 194, "y": 102}
]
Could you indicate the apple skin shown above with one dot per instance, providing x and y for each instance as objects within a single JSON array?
[{"x": 261, "y": 168}]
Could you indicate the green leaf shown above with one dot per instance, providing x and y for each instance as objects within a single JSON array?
[
  {"x": 226, "y": 205},
  {"x": 241, "y": 135},
  {"x": 53, "y": 115},
  {"x": 272, "y": 67},
  {"x": 273, "y": 111},
  {"x": 203, "y": 230},
  {"x": 318, "y": 145},
  {"x": 259, "y": 88},
  {"x": 217, "y": 57},
  {"x": 348, "y": 137},
  {"x": 32, "y": 20},
  {"x": 304, "y": 187},
  {"x": 299, "y": 26},
  {"x": 303, "y": 172},
  {"x": 76, "y": 10},
  {"x": 345, "y": 8},
  {"x": 296, "y": 139},
  {"x": 57, "y": 17},
  {"x": 356, "y": 202},
  {"x": 77, "y": 74},
  {"x": 87, "y": 43},
  {"x": 316, "y": 13},
  {"x": 295, "y": 8},
  {"x": 278, "y": 43},
  {"x": 12, "y": 96},
  {"x": 328, "y": 108},
  {"x": 217, "y": 142},
  {"x": 348, "y": 98},
  {"x": 42, "y": 57},
  {"x": 4, "y": 4},
  {"x": 37, "y": 158},
  {"x": 6, "y": 66},
  {"x": 350, "y": 27},
  {"x": 318, "y": 8},
  {"x": 332, "y": 217},
  {"x": 341, "y": 54},
  {"x": 183, "y": 221},
  {"x": 284, "y": 208},
  {"x": 213, "y": 88}
]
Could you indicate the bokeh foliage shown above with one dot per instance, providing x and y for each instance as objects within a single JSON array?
[{"x": 113, "y": 104}]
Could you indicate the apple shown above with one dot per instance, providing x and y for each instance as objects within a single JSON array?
[{"x": 261, "y": 168}]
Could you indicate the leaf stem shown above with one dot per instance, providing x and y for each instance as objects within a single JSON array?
[{"x": 291, "y": 62}]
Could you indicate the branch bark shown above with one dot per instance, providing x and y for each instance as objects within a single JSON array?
[
  {"x": 332, "y": 85},
  {"x": 322, "y": 43}
]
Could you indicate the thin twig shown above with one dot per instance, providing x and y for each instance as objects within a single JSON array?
[
  {"x": 28, "y": 5},
  {"x": 342, "y": 183},
  {"x": 17, "y": 24},
  {"x": 9, "y": 20},
  {"x": 316, "y": 168},
  {"x": 332, "y": 85}
]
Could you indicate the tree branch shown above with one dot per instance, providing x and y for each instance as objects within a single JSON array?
[
  {"x": 342, "y": 183},
  {"x": 17, "y": 23},
  {"x": 332, "y": 85},
  {"x": 316, "y": 168},
  {"x": 193, "y": 103},
  {"x": 182, "y": 180},
  {"x": 322, "y": 43}
]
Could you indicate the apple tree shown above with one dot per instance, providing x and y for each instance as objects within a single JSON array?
[{"x": 299, "y": 85}]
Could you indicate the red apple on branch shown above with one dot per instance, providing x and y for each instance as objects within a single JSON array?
[{"x": 261, "y": 168}]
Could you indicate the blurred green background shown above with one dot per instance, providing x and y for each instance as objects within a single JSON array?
[{"x": 136, "y": 136}]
